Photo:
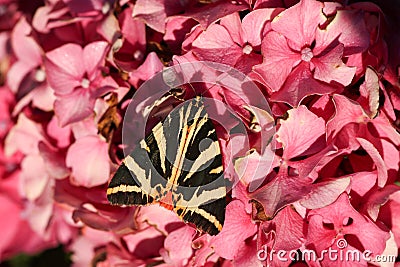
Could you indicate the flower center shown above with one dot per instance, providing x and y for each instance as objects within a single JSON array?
[
  {"x": 247, "y": 49},
  {"x": 40, "y": 75},
  {"x": 306, "y": 54},
  {"x": 85, "y": 83},
  {"x": 138, "y": 55}
]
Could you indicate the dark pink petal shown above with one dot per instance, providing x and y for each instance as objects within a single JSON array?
[
  {"x": 237, "y": 228},
  {"x": 299, "y": 131},
  {"x": 146, "y": 243},
  {"x": 64, "y": 68},
  {"x": 281, "y": 191},
  {"x": 177, "y": 31},
  {"x": 330, "y": 67},
  {"x": 385, "y": 130},
  {"x": 93, "y": 57},
  {"x": 54, "y": 161},
  {"x": 377, "y": 199},
  {"x": 89, "y": 161},
  {"x": 74, "y": 107},
  {"x": 210, "y": 13},
  {"x": 377, "y": 158},
  {"x": 279, "y": 61},
  {"x": 300, "y": 22},
  {"x": 343, "y": 221}
]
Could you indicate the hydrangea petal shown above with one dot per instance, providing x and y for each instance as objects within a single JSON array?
[{"x": 89, "y": 161}]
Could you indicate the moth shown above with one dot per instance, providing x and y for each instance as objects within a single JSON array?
[{"x": 179, "y": 166}]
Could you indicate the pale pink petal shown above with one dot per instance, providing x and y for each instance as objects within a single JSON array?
[
  {"x": 377, "y": 158},
  {"x": 74, "y": 107},
  {"x": 89, "y": 161},
  {"x": 178, "y": 245},
  {"x": 279, "y": 61},
  {"x": 16, "y": 74},
  {"x": 24, "y": 136},
  {"x": 62, "y": 135},
  {"x": 34, "y": 176},
  {"x": 25, "y": 47},
  {"x": 325, "y": 193},
  {"x": 64, "y": 68},
  {"x": 369, "y": 93},
  {"x": 300, "y": 22},
  {"x": 237, "y": 228},
  {"x": 93, "y": 57},
  {"x": 299, "y": 131},
  {"x": 330, "y": 67}
]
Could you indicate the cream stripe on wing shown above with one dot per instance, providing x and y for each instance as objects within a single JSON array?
[{"x": 206, "y": 156}]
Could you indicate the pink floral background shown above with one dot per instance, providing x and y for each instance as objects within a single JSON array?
[{"x": 330, "y": 72}]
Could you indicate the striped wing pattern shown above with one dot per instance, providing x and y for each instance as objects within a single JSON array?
[{"x": 174, "y": 166}]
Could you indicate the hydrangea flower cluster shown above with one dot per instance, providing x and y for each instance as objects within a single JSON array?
[{"x": 329, "y": 70}]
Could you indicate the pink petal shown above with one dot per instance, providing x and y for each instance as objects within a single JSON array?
[
  {"x": 10, "y": 222},
  {"x": 155, "y": 12},
  {"x": 25, "y": 47},
  {"x": 34, "y": 176},
  {"x": 16, "y": 74},
  {"x": 93, "y": 57},
  {"x": 176, "y": 32},
  {"x": 178, "y": 244},
  {"x": 254, "y": 24},
  {"x": 64, "y": 68},
  {"x": 347, "y": 112},
  {"x": 288, "y": 227},
  {"x": 279, "y": 60},
  {"x": 54, "y": 161},
  {"x": 74, "y": 107},
  {"x": 344, "y": 221},
  {"x": 325, "y": 193},
  {"x": 216, "y": 44},
  {"x": 88, "y": 158},
  {"x": 377, "y": 199},
  {"x": 210, "y": 13},
  {"x": 233, "y": 25},
  {"x": 369, "y": 92},
  {"x": 281, "y": 191},
  {"x": 24, "y": 136},
  {"x": 237, "y": 228},
  {"x": 299, "y": 131},
  {"x": 354, "y": 36},
  {"x": 150, "y": 66},
  {"x": 330, "y": 67},
  {"x": 300, "y": 22},
  {"x": 62, "y": 135}
]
